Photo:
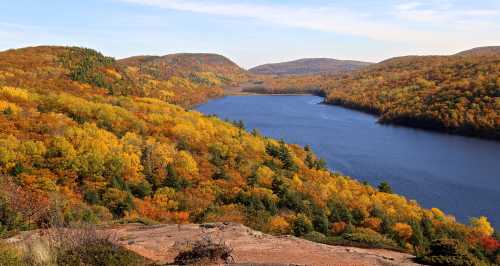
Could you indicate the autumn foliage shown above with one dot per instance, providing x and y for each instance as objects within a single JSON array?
[
  {"x": 457, "y": 94},
  {"x": 97, "y": 146}
]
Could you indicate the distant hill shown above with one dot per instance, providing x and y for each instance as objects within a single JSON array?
[
  {"x": 457, "y": 94},
  {"x": 204, "y": 68},
  {"x": 136, "y": 61},
  {"x": 86, "y": 72},
  {"x": 309, "y": 66},
  {"x": 481, "y": 51}
]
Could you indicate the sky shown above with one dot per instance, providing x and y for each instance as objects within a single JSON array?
[{"x": 254, "y": 32}]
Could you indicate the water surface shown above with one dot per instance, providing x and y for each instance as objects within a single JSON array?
[{"x": 459, "y": 175}]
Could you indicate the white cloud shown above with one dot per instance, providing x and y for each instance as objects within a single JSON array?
[
  {"x": 406, "y": 22},
  {"x": 323, "y": 18},
  {"x": 444, "y": 11},
  {"x": 408, "y": 6}
]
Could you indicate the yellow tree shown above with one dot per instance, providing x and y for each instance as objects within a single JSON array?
[{"x": 482, "y": 226}]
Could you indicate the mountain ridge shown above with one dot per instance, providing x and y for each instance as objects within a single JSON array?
[
  {"x": 481, "y": 51},
  {"x": 188, "y": 65},
  {"x": 308, "y": 66}
]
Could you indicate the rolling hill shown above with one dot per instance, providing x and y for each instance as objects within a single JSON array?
[
  {"x": 481, "y": 51},
  {"x": 85, "y": 139},
  {"x": 456, "y": 94},
  {"x": 209, "y": 69},
  {"x": 310, "y": 66}
]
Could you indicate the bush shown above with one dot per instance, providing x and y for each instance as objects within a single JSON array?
[
  {"x": 205, "y": 251},
  {"x": 141, "y": 190},
  {"x": 339, "y": 212},
  {"x": 302, "y": 225},
  {"x": 448, "y": 252},
  {"x": 100, "y": 252},
  {"x": 321, "y": 223},
  {"x": 315, "y": 237},
  {"x": 70, "y": 247},
  {"x": 370, "y": 238},
  {"x": 292, "y": 200},
  {"x": 89, "y": 247},
  {"x": 385, "y": 187},
  {"x": 255, "y": 202}
]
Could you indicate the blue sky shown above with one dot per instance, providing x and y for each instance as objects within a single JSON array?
[{"x": 253, "y": 32}]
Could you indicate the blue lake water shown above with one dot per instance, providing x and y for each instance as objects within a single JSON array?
[{"x": 459, "y": 175}]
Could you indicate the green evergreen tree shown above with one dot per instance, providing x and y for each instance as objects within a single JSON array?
[{"x": 385, "y": 187}]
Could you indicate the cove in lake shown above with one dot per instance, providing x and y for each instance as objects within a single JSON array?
[{"x": 459, "y": 175}]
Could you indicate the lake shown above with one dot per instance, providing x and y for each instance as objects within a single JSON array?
[{"x": 459, "y": 175}]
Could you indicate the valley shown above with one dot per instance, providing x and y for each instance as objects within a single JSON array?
[
  {"x": 250, "y": 133},
  {"x": 86, "y": 139},
  {"x": 455, "y": 94}
]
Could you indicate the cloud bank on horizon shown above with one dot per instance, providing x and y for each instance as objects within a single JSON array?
[{"x": 363, "y": 30}]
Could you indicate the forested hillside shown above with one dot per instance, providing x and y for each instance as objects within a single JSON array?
[
  {"x": 457, "y": 94},
  {"x": 299, "y": 76},
  {"x": 208, "y": 68},
  {"x": 84, "y": 139},
  {"x": 309, "y": 66},
  {"x": 181, "y": 71},
  {"x": 267, "y": 84}
]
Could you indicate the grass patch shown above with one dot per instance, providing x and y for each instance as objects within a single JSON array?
[
  {"x": 70, "y": 247},
  {"x": 364, "y": 238},
  {"x": 91, "y": 247},
  {"x": 10, "y": 256}
]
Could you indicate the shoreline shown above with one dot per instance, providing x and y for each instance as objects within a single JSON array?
[
  {"x": 229, "y": 92},
  {"x": 268, "y": 94}
]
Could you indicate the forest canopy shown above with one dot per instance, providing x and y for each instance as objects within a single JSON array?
[
  {"x": 456, "y": 94},
  {"x": 84, "y": 139}
]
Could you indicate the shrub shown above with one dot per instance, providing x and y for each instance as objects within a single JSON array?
[
  {"x": 89, "y": 247},
  {"x": 339, "y": 212},
  {"x": 448, "y": 252},
  {"x": 403, "y": 231},
  {"x": 302, "y": 225},
  {"x": 292, "y": 200},
  {"x": 338, "y": 228},
  {"x": 141, "y": 190},
  {"x": 320, "y": 223},
  {"x": 370, "y": 238},
  {"x": 69, "y": 247},
  {"x": 205, "y": 251},
  {"x": 279, "y": 225},
  {"x": 385, "y": 187},
  {"x": 100, "y": 252},
  {"x": 315, "y": 237},
  {"x": 373, "y": 223}
]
